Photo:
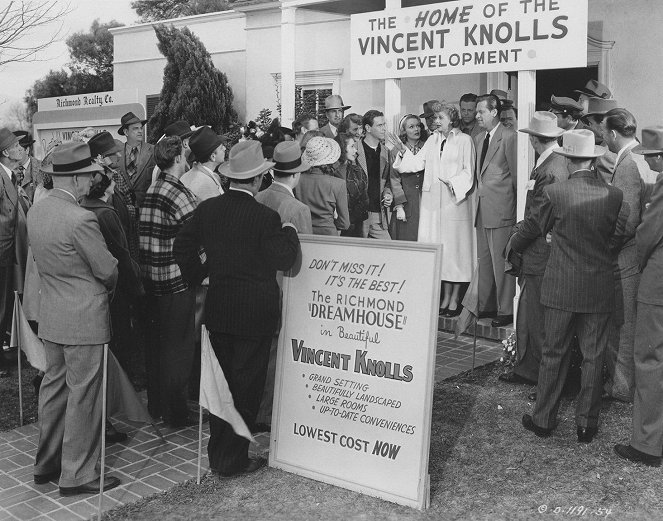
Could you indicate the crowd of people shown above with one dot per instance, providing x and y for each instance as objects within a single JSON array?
[{"x": 137, "y": 244}]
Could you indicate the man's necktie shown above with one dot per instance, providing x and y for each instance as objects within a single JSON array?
[
  {"x": 442, "y": 145},
  {"x": 131, "y": 165},
  {"x": 484, "y": 150},
  {"x": 19, "y": 175}
]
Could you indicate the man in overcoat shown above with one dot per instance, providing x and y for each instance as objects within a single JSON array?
[{"x": 77, "y": 276}]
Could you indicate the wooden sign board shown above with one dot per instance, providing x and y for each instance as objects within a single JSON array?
[
  {"x": 356, "y": 364},
  {"x": 464, "y": 37}
]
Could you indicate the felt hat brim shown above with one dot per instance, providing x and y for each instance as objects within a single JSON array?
[
  {"x": 541, "y": 134},
  {"x": 131, "y": 122},
  {"x": 90, "y": 169},
  {"x": 639, "y": 149},
  {"x": 225, "y": 170},
  {"x": 598, "y": 151}
]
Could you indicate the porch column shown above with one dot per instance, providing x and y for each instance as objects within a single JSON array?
[
  {"x": 392, "y": 88},
  {"x": 526, "y": 107},
  {"x": 287, "y": 65}
]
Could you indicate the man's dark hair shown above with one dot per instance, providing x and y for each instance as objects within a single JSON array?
[
  {"x": 98, "y": 189},
  {"x": 166, "y": 150},
  {"x": 621, "y": 121},
  {"x": 468, "y": 98},
  {"x": 492, "y": 102},
  {"x": 345, "y": 124},
  {"x": 300, "y": 122},
  {"x": 369, "y": 118}
]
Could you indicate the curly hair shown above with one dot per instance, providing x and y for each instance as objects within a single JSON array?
[{"x": 450, "y": 110}]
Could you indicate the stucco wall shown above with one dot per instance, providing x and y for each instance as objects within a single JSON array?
[{"x": 636, "y": 60}]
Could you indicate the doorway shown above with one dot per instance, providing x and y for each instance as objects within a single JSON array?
[{"x": 562, "y": 82}]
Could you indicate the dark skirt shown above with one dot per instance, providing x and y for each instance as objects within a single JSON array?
[{"x": 409, "y": 229}]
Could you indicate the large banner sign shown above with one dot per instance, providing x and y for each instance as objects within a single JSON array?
[
  {"x": 469, "y": 36},
  {"x": 355, "y": 369}
]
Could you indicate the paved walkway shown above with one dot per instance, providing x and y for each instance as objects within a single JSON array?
[{"x": 145, "y": 464}]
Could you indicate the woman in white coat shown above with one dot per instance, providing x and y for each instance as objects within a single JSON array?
[{"x": 446, "y": 211}]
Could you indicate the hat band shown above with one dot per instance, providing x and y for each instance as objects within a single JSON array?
[
  {"x": 76, "y": 165},
  {"x": 289, "y": 165}
]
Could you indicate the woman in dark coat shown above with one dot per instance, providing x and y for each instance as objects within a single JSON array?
[
  {"x": 405, "y": 221},
  {"x": 357, "y": 185}
]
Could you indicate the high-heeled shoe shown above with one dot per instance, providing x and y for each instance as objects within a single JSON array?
[
  {"x": 443, "y": 311},
  {"x": 453, "y": 312}
]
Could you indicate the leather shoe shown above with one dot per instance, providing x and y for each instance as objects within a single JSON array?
[
  {"x": 586, "y": 434},
  {"x": 92, "y": 487},
  {"x": 41, "y": 479},
  {"x": 636, "y": 456},
  {"x": 487, "y": 314},
  {"x": 443, "y": 311},
  {"x": 529, "y": 424},
  {"x": 502, "y": 320},
  {"x": 451, "y": 313},
  {"x": 512, "y": 378},
  {"x": 253, "y": 465}
]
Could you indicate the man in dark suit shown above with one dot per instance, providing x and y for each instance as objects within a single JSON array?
[
  {"x": 619, "y": 127},
  {"x": 528, "y": 240},
  {"x": 28, "y": 168},
  {"x": 582, "y": 213},
  {"x": 14, "y": 205},
  {"x": 242, "y": 308},
  {"x": 137, "y": 157},
  {"x": 376, "y": 160},
  {"x": 77, "y": 274},
  {"x": 496, "y": 209},
  {"x": 647, "y": 429}
]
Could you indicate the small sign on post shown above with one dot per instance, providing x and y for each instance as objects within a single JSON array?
[
  {"x": 465, "y": 37},
  {"x": 356, "y": 364}
]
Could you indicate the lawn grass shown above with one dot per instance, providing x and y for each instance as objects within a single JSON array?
[
  {"x": 9, "y": 408},
  {"x": 483, "y": 465}
]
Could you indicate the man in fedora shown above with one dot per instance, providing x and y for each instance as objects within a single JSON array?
[
  {"x": 592, "y": 89},
  {"x": 77, "y": 275},
  {"x": 14, "y": 204},
  {"x": 496, "y": 209},
  {"x": 209, "y": 149},
  {"x": 28, "y": 170},
  {"x": 242, "y": 308},
  {"x": 170, "y": 305},
  {"x": 428, "y": 115},
  {"x": 532, "y": 245},
  {"x": 568, "y": 112},
  {"x": 592, "y": 118},
  {"x": 583, "y": 215},
  {"x": 334, "y": 108},
  {"x": 647, "y": 424},
  {"x": 651, "y": 148},
  {"x": 280, "y": 197},
  {"x": 136, "y": 157},
  {"x": 468, "y": 114}
]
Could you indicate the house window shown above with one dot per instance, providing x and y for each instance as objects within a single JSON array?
[
  {"x": 311, "y": 100},
  {"x": 151, "y": 103}
]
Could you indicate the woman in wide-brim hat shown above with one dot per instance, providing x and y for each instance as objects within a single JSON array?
[{"x": 324, "y": 193}]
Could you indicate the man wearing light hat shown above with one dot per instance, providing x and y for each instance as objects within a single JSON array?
[
  {"x": 245, "y": 245},
  {"x": 14, "y": 206},
  {"x": 583, "y": 215},
  {"x": 137, "y": 156},
  {"x": 550, "y": 168},
  {"x": 592, "y": 118},
  {"x": 77, "y": 274},
  {"x": 209, "y": 149},
  {"x": 334, "y": 108}
]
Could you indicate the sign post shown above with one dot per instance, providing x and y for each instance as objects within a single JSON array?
[{"x": 356, "y": 364}]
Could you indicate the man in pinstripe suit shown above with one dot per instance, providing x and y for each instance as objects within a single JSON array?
[
  {"x": 578, "y": 288},
  {"x": 245, "y": 244}
]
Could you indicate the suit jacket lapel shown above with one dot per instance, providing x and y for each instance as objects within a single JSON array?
[
  {"x": 492, "y": 148},
  {"x": 384, "y": 160},
  {"x": 143, "y": 158},
  {"x": 10, "y": 189}
]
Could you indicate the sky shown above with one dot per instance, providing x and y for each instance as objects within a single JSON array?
[{"x": 18, "y": 77}]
